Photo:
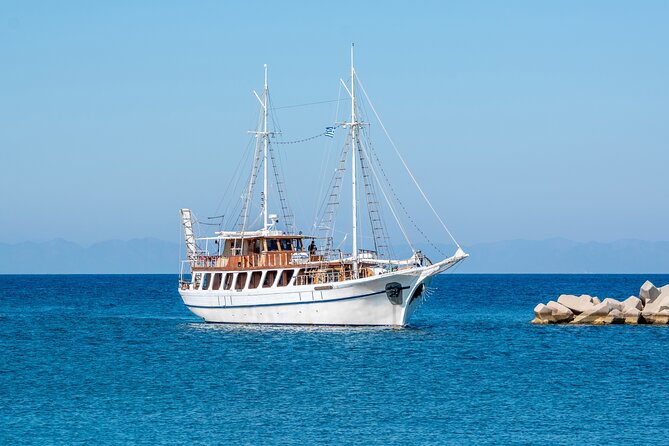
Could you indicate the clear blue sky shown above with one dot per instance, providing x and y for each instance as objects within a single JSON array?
[{"x": 523, "y": 119}]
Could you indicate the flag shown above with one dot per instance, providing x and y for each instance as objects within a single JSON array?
[{"x": 329, "y": 132}]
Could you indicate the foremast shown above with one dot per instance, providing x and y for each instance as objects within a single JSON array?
[
  {"x": 354, "y": 148},
  {"x": 263, "y": 133},
  {"x": 265, "y": 136}
]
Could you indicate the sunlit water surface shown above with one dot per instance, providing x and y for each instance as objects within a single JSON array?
[{"x": 119, "y": 359}]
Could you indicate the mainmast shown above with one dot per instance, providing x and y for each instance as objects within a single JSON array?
[
  {"x": 354, "y": 154},
  {"x": 265, "y": 144}
]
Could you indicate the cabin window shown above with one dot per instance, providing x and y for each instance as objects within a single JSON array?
[
  {"x": 286, "y": 275},
  {"x": 217, "y": 281},
  {"x": 270, "y": 277},
  {"x": 255, "y": 279},
  {"x": 236, "y": 249},
  {"x": 285, "y": 244},
  {"x": 206, "y": 282},
  {"x": 272, "y": 245},
  {"x": 241, "y": 281},
  {"x": 228, "y": 281},
  {"x": 297, "y": 243}
]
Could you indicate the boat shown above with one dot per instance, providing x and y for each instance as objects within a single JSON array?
[{"x": 270, "y": 274}]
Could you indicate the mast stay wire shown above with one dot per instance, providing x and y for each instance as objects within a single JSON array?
[
  {"x": 279, "y": 176},
  {"x": 385, "y": 196},
  {"x": 391, "y": 189},
  {"x": 234, "y": 181},
  {"x": 312, "y": 103},
  {"x": 406, "y": 166},
  {"x": 325, "y": 161},
  {"x": 248, "y": 191}
]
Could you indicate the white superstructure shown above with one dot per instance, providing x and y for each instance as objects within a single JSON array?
[{"x": 268, "y": 276}]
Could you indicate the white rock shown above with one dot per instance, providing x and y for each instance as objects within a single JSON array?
[
  {"x": 662, "y": 301},
  {"x": 576, "y": 304},
  {"x": 614, "y": 304},
  {"x": 590, "y": 316},
  {"x": 632, "y": 302},
  {"x": 653, "y": 307},
  {"x": 587, "y": 297},
  {"x": 632, "y": 315},
  {"x": 615, "y": 316},
  {"x": 648, "y": 292},
  {"x": 596, "y": 301},
  {"x": 543, "y": 313},
  {"x": 648, "y": 318},
  {"x": 560, "y": 312},
  {"x": 662, "y": 317}
]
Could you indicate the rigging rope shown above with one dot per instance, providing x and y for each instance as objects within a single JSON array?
[
  {"x": 406, "y": 166},
  {"x": 304, "y": 139},
  {"x": 325, "y": 162},
  {"x": 389, "y": 185},
  {"x": 310, "y": 103},
  {"x": 383, "y": 192}
]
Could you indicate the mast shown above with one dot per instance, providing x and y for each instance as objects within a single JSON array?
[
  {"x": 354, "y": 147},
  {"x": 265, "y": 143}
]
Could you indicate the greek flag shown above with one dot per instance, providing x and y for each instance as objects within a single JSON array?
[{"x": 329, "y": 132}]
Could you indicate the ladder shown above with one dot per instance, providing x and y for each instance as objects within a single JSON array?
[{"x": 189, "y": 235}]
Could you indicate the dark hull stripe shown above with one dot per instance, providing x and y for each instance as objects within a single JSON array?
[{"x": 292, "y": 303}]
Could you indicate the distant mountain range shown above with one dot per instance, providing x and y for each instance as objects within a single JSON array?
[
  {"x": 138, "y": 256},
  {"x": 149, "y": 256},
  {"x": 558, "y": 255}
]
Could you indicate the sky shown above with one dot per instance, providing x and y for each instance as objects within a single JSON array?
[{"x": 520, "y": 119}]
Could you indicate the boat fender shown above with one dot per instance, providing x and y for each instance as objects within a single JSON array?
[{"x": 394, "y": 293}]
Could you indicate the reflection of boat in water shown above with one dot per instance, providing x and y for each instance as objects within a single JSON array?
[{"x": 272, "y": 276}]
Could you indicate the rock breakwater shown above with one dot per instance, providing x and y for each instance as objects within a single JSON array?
[{"x": 651, "y": 306}]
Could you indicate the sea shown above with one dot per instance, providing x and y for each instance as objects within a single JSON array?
[{"x": 118, "y": 359}]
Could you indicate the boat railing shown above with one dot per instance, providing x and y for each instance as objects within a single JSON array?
[
  {"x": 336, "y": 255},
  {"x": 185, "y": 278},
  {"x": 241, "y": 262},
  {"x": 204, "y": 261},
  {"x": 367, "y": 254},
  {"x": 321, "y": 276},
  {"x": 329, "y": 275},
  {"x": 269, "y": 259}
]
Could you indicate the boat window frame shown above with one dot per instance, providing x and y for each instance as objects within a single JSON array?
[
  {"x": 265, "y": 276},
  {"x": 272, "y": 243},
  {"x": 245, "y": 276},
  {"x": 290, "y": 273},
  {"x": 217, "y": 281},
  {"x": 228, "y": 281},
  {"x": 206, "y": 281},
  {"x": 253, "y": 273}
]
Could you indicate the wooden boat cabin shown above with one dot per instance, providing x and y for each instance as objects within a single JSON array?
[{"x": 266, "y": 262}]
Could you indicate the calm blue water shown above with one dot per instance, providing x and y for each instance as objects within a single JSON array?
[{"x": 118, "y": 359}]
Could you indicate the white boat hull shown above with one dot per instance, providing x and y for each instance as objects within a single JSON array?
[{"x": 355, "y": 302}]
